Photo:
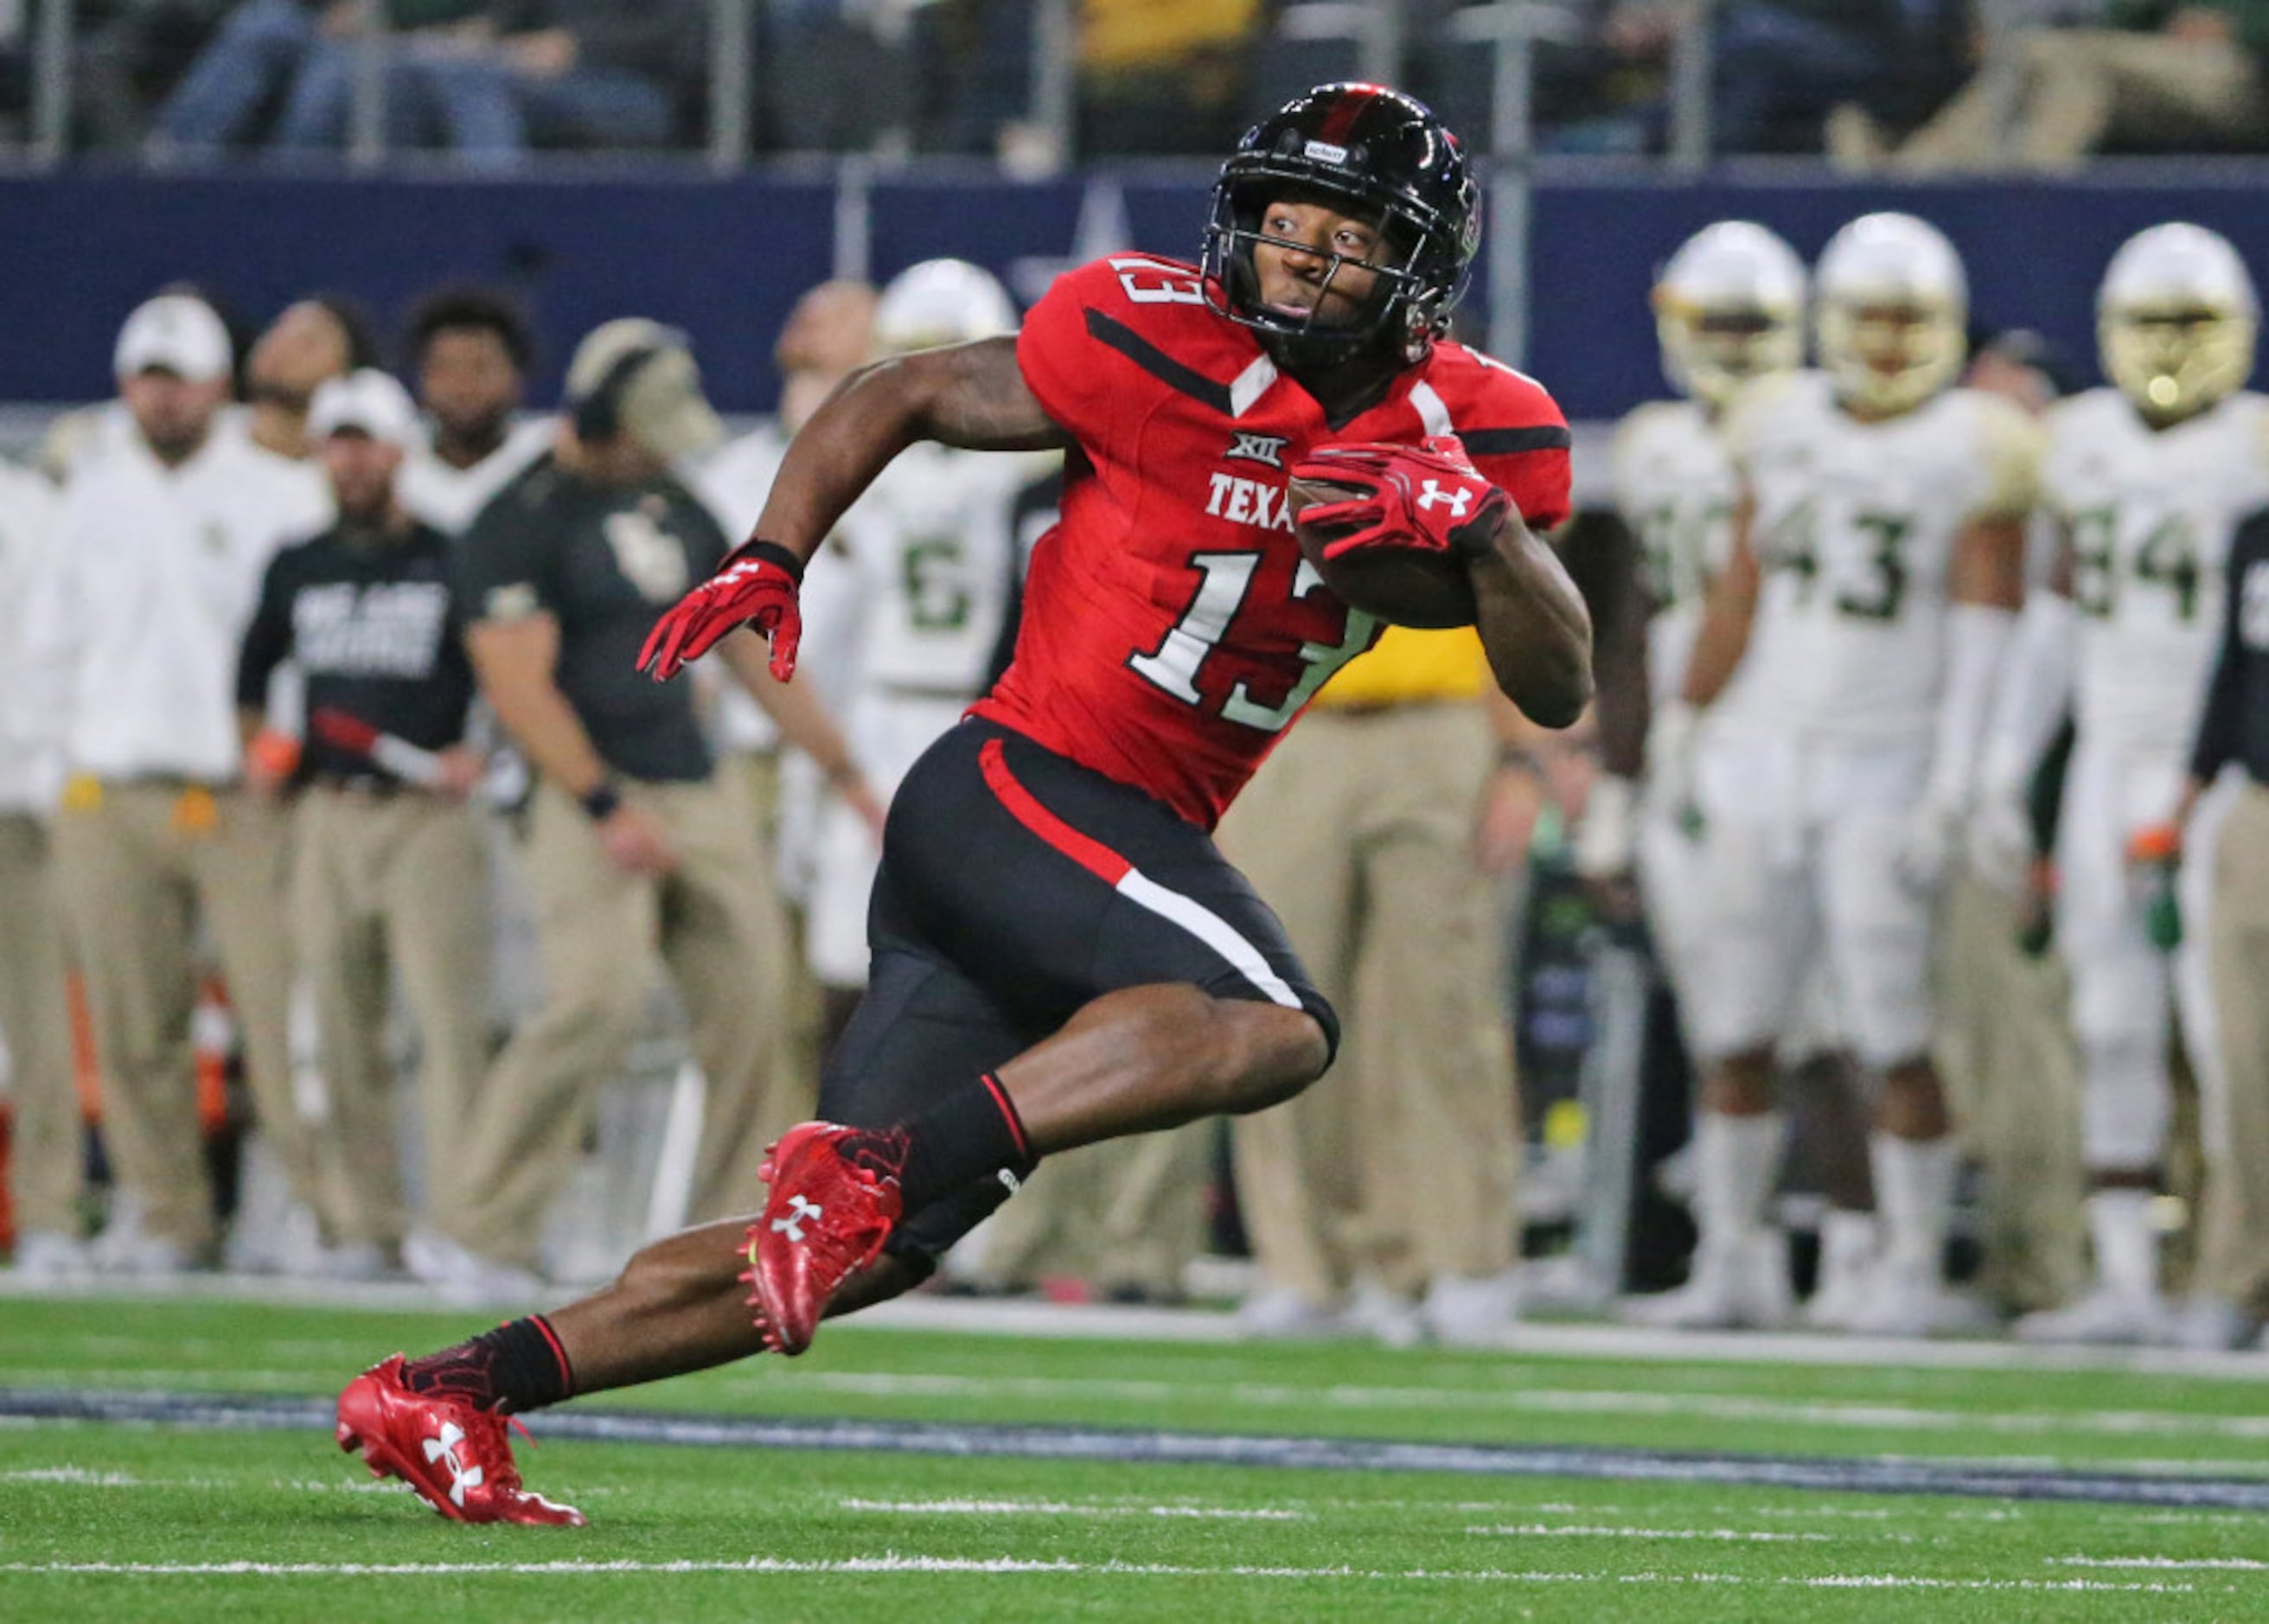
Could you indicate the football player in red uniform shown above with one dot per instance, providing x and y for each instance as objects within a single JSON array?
[{"x": 1059, "y": 954}]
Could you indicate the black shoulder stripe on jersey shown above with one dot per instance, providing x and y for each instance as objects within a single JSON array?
[
  {"x": 1158, "y": 363},
  {"x": 1505, "y": 442}
]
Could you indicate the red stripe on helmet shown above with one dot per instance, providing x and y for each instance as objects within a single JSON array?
[{"x": 1341, "y": 119}]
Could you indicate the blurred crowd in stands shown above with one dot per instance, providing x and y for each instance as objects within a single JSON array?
[{"x": 1922, "y": 85}]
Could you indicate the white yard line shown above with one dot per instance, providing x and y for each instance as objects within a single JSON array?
[
  {"x": 1577, "y": 1530},
  {"x": 896, "y": 1563},
  {"x": 1061, "y": 1508},
  {"x": 2201, "y": 1564},
  {"x": 77, "y": 1477}
]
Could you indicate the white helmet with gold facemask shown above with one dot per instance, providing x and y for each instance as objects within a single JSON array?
[
  {"x": 2175, "y": 320},
  {"x": 1893, "y": 307},
  {"x": 1729, "y": 307}
]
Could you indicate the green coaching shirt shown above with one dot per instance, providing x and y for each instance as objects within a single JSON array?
[{"x": 603, "y": 561}]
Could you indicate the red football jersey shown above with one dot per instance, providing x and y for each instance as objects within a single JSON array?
[{"x": 1172, "y": 630}]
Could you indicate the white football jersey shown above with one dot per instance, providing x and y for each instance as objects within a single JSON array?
[
  {"x": 1675, "y": 487},
  {"x": 2149, "y": 515},
  {"x": 934, "y": 542},
  {"x": 1854, "y": 525}
]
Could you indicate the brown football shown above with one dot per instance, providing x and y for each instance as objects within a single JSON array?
[{"x": 1400, "y": 585}]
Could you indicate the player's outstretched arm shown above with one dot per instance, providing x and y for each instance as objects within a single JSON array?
[
  {"x": 1534, "y": 626},
  {"x": 971, "y": 395}
]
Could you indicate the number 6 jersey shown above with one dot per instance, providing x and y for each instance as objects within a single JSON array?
[
  {"x": 1853, "y": 524},
  {"x": 1172, "y": 629},
  {"x": 2149, "y": 516}
]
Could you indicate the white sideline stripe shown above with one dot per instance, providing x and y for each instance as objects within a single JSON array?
[
  {"x": 1210, "y": 928},
  {"x": 895, "y": 1563},
  {"x": 1556, "y": 1401},
  {"x": 1094, "y": 1322},
  {"x": 1559, "y": 1531},
  {"x": 1852, "y": 1416},
  {"x": 1062, "y": 1508}
]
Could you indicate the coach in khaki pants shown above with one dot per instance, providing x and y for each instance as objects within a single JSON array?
[
  {"x": 635, "y": 843},
  {"x": 1395, "y": 1176},
  {"x": 46, "y": 1157},
  {"x": 2231, "y": 1298},
  {"x": 389, "y": 867},
  {"x": 164, "y": 539}
]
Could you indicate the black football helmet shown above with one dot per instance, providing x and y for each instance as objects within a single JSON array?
[{"x": 1387, "y": 157}]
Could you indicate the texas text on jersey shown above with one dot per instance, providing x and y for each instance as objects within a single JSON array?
[{"x": 1172, "y": 628}]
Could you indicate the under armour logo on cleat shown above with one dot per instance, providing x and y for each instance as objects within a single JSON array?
[
  {"x": 462, "y": 1477},
  {"x": 792, "y": 1226},
  {"x": 1458, "y": 500}
]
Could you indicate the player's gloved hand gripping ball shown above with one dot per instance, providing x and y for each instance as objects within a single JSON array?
[
  {"x": 755, "y": 587},
  {"x": 1392, "y": 527}
]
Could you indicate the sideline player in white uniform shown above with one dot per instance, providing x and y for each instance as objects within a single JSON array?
[
  {"x": 2146, "y": 481},
  {"x": 1877, "y": 565},
  {"x": 1729, "y": 310},
  {"x": 934, "y": 541}
]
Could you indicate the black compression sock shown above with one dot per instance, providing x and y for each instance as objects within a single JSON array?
[
  {"x": 971, "y": 1135},
  {"x": 518, "y": 1367}
]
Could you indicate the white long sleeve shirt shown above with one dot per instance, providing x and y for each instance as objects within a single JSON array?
[
  {"x": 159, "y": 571},
  {"x": 31, "y": 737}
]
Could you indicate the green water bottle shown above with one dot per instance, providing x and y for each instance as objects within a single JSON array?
[{"x": 2153, "y": 852}]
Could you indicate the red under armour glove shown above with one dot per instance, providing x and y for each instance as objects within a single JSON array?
[
  {"x": 1428, "y": 498},
  {"x": 754, "y": 587}
]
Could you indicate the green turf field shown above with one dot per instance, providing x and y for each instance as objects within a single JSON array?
[{"x": 102, "y": 1521}]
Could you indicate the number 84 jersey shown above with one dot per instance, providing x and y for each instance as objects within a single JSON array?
[
  {"x": 2148, "y": 516},
  {"x": 1853, "y": 524},
  {"x": 1171, "y": 628}
]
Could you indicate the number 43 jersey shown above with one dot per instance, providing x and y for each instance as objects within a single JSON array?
[
  {"x": 1854, "y": 524},
  {"x": 1172, "y": 629},
  {"x": 2149, "y": 516}
]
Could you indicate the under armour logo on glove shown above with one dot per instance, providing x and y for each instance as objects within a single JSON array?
[
  {"x": 1415, "y": 497},
  {"x": 800, "y": 1208},
  {"x": 754, "y": 587},
  {"x": 1458, "y": 500},
  {"x": 444, "y": 1448}
]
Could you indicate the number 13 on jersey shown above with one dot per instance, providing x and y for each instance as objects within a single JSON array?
[{"x": 1225, "y": 582}]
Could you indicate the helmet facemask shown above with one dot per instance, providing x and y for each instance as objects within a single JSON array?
[
  {"x": 1890, "y": 358},
  {"x": 1374, "y": 155},
  {"x": 2176, "y": 321},
  {"x": 2175, "y": 363},
  {"x": 1403, "y": 314},
  {"x": 1713, "y": 352}
]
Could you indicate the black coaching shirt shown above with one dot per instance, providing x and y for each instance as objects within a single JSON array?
[
  {"x": 371, "y": 618},
  {"x": 2235, "y": 726},
  {"x": 603, "y": 562}
]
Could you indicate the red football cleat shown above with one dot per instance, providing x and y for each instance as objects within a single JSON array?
[
  {"x": 833, "y": 1206},
  {"x": 457, "y": 1456}
]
